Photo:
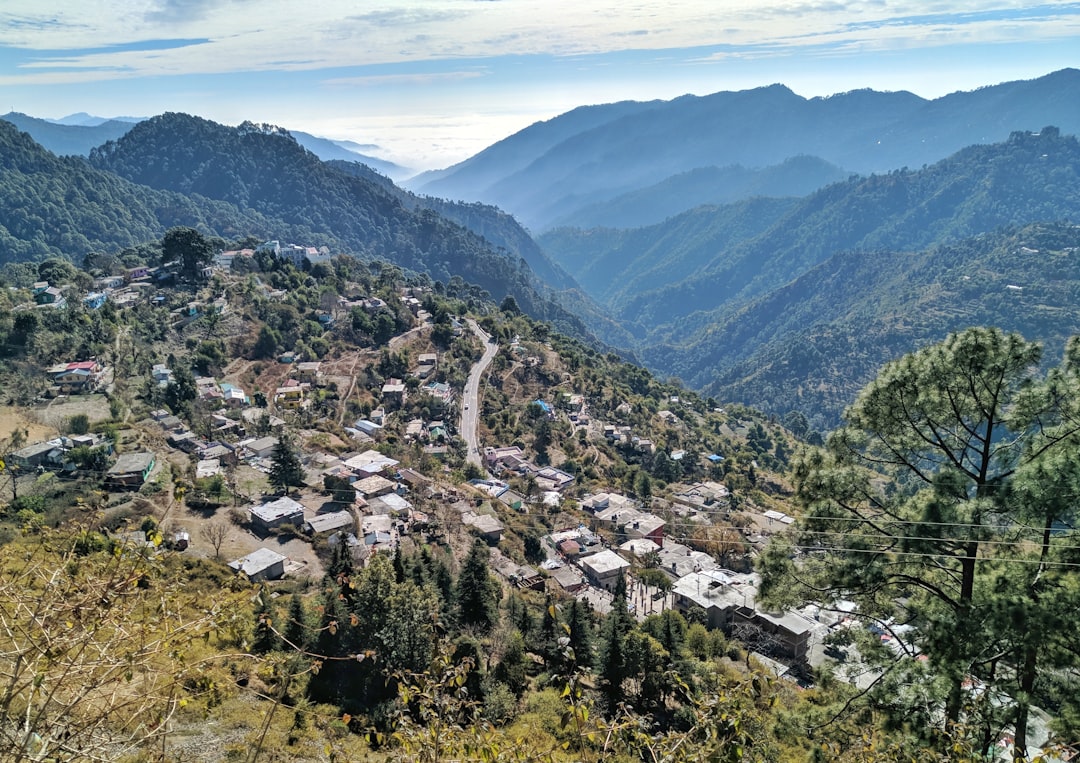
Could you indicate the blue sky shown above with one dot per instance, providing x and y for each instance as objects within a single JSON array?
[{"x": 434, "y": 81}]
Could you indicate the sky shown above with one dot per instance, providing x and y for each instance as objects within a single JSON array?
[{"x": 427, "y": 83}]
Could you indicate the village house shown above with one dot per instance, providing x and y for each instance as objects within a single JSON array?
[
  {"x": 678, "y": 560},
  {"x": 309, "y": 371},
  {"x": 50, "y": 297},
  {"x": 426, "y": 364},
  {"x": 602, "y": 501},
  {"x": 289, "y": 397},
  {"x": 259, "y": 416},
  {"x": 161, "y": 374},
  {"x": 232, "y": 396},
  {"x": 332, "y": 521},
  {"x": 130, "y": 471},
  {"x": 388, "y": 503},
  {"x": 603, "y": 569},
  {"x": 516, "y": 574},
  {"x": 262, "y": 447},
  {"x": 440, "y": 391},
  {"x": 499, "y": 458},
  {"x": 108, "y": 283},
  {"x": 261, "y": 564},
  {"x": 80, "y": 376},
  {"x": 550, "y": 478},
  {"x": 638, "y": 548},
  {"x": 373, "y": 486},
  {"x": 568, "y": 579},
  {"x": 371, "y": 462},
  {"x": 139, "y": 273},
  {"x": 281, "y": 511},
  {"x": 393, "y": 392},
  {"x": 488, "y": 527},
  {"x": 39, "y": 454},
  {"x": 716, "y": 593}
]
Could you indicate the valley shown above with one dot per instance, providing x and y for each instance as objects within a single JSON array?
[{"x": 736, "y": 427}]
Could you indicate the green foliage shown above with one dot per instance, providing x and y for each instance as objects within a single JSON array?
[
  {"x": 285, "y": 468},
  {"x": 951, "y": 427},
  {"x": 188, "y": 247},
  {"x": 477, "y": 593},
  {"x": 78, "y": 424}
]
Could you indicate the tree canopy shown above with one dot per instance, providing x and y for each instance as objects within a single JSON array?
[{"x": 914, "y": 510}]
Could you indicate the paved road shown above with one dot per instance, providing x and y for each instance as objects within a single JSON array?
[{"x": 470, "y": 398}]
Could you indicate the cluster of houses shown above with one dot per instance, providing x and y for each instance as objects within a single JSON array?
[
  {"x": 295, "y": 391},
  {"x": 511, "y": 460},
  {"x": 372, "y": 522},
  {"x": 580, "y": 560},
  {"x": 129, "y": 471}
]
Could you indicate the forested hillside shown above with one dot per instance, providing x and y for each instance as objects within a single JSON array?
[
  {"x": 67, "y": 207},
  {"x": 798, "y": 176},
  {"x": 264, "y": 169},
  {"x": 812, "y": 344},
  {"x": 714, "y": 291},
  {"x": 63, "y": 207}
]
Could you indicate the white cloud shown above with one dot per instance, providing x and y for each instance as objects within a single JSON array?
[{"x": 287, "y": 35}]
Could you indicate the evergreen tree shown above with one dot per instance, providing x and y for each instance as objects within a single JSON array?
[
  {"x": 188, "y": 247},
  {"x": 477, "y": 593},
  {"x": 285, "y": 468},
  {"x": 550, "y": 633},
  {"x": 511, "y": 670},
  {"x": 297, "y": 629},
  {"x": 579, "y": 620},
  {"x": 266, "y": 637},
  {"x": 614, "y": 660},
  {"x": 181, "y": 390},
  {"x": 953, "y": 425}
]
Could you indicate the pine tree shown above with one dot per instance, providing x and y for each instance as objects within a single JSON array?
[
  {"x": 550, "y": 633},
  {"x": 614, "y": 665},
  {"x": 297, "y": 630},
  {"x": 266, "y": 637},
  {"x": 581, "y": 632},
  {"x": 477, "y": 593},
  {"x": 285, "y": 468},
  {"x": 511, "y": 670}
]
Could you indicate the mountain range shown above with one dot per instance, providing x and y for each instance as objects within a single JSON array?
[
  {"x": 713, "y": 292},
  {"x": 78, "y": 134},
  {"x": 552, "y": 171},
  {"x": 785, "y": 291},
  {"x": 236, "y": 182}
]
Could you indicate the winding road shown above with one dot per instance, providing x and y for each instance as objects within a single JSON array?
[{"x": 470, "y": 398}]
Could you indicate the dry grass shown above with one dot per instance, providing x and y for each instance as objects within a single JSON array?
[{"x": 13, "y": 417}]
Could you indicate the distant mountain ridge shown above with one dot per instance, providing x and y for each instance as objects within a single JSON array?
[
  {"x": 547, "y": 171},
  {"x": 821, "y": 338},
  {"x": 68, "y": 139},
  {"x": 77, "y": 134}
]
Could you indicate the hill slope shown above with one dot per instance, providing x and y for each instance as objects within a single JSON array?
[
  {"x": 814, "y": 343},
  {"x": 68, "y": 139},
  {"x": 719, "y": 296},
  {"x": 265, "y": 185},
  {"x": 63, "y": 207},
  {"x": 797, "y": 176},
  {"x": 581, "y": 161},
  {"x": 265, "y": 169}
]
